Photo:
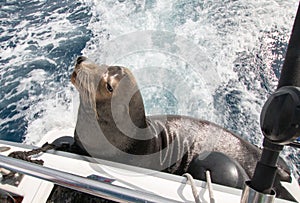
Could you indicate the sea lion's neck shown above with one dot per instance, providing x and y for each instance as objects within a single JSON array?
[
  {"x": 124, "y": 127},
  {"x": 131, "y": 140},
  {"x": 137, "y": 112}
]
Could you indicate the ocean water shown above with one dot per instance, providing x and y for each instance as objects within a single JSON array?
[{"x": 217, "y": 60}]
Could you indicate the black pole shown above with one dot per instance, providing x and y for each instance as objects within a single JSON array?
[
  {"x": 266, "y": 169},
  {"x": 290, "y": 73},
  {"x": 280, "y": 120}
]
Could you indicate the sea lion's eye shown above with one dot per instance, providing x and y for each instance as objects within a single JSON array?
[{"x": 109, "y": 87}]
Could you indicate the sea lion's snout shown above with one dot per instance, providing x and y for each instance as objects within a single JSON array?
[
  {"x": 80, "y": 59},
  {"x": 87, "y": 75},
  {"x": 83, "y": 62},
  {"x": 84, "y": 66},
  {"x": 78, "y": 65}
]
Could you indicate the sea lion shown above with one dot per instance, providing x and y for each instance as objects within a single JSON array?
[{"x": 112, "y": 125}]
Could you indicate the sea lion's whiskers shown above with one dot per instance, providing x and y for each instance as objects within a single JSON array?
[{"x": 86, "y": 85}]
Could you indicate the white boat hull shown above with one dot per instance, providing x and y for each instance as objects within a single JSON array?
[{"x": 172, "y": 187}]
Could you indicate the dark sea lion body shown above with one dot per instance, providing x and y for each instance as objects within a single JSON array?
[
  {"x": 112, "y": 125},
  {"x": 195, "y": 136},
  {"x": 186, "y": 138}
]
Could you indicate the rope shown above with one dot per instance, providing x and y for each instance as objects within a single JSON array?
[
  {"x": 193, "y": 186},
  {"x": 26, "y": 156},
  {"x": 209, "y": 186},
  {"x": 194, "y": 189}
]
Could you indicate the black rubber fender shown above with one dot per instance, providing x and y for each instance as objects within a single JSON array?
[{"x": 223, "y": 169}]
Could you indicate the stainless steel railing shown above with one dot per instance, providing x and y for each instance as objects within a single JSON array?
[{"x": 78, "y": 183}]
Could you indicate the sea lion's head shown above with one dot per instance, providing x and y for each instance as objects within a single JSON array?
[
  {"x": 111, "y": 121},
  {"x": 111, "y": 91}
]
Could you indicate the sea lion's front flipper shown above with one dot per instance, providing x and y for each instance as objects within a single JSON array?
[{"x": 68, "y": 144}]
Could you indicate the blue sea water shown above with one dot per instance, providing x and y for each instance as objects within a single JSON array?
[{"x": 216, "y": 60}]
